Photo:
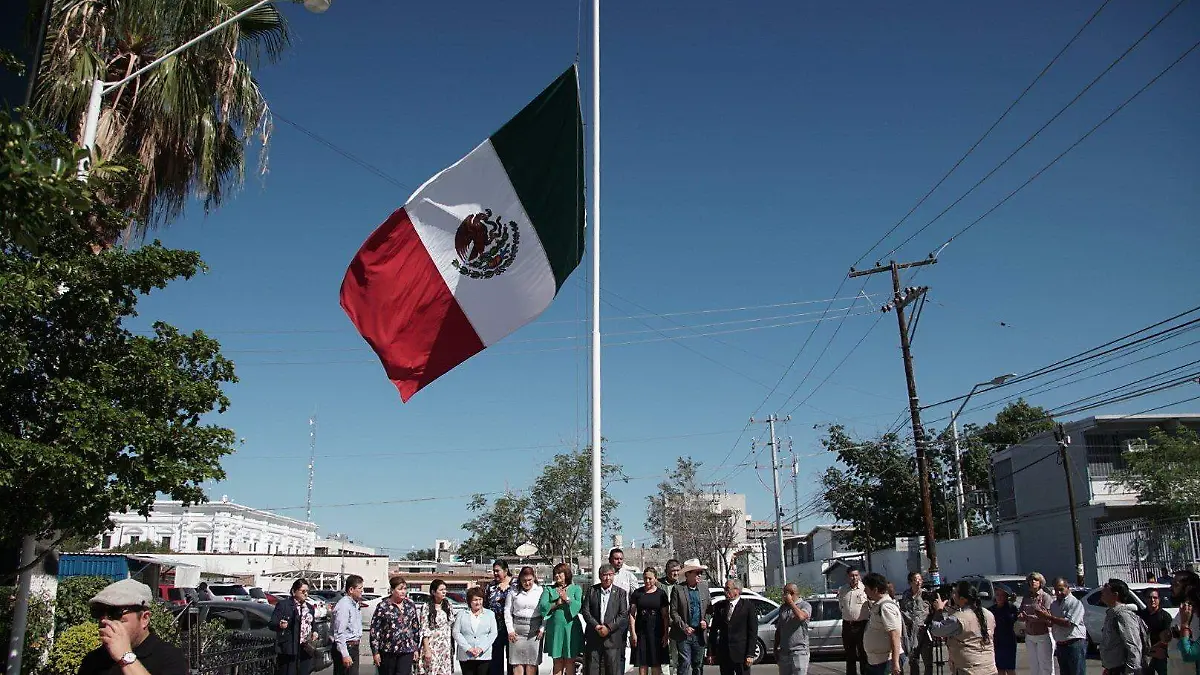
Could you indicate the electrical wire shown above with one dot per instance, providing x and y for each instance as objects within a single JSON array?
[
  {"x": 986, "y": 133},
  {"x": 1042, "y": 128},
  {"x": 1074, "y": 145}
]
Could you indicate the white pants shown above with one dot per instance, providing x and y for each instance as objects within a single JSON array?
[{"x": 1041, "y": 654}]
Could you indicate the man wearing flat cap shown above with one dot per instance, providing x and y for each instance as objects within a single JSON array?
[{"x": 128, "y": 646}]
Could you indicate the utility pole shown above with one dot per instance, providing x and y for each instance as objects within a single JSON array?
[
  {"x": 901, "y": 299},
  {"x": 795, "y": 491},
  {"x": 771, "y": 420},
  {"x": 1063, "y": 440}
]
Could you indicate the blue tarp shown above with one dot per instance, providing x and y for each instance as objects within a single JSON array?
[{"x": 115, "y": 567}]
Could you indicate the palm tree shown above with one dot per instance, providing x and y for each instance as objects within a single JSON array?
[{"x": 189, "y": 121}]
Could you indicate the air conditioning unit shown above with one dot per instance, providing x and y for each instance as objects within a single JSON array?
[{"x": 1137, "y": 445}]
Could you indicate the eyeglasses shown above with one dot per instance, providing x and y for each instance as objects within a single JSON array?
[{"x": 112, "y": 613}]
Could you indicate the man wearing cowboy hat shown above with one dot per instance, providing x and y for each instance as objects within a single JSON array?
[
  {"x": 127, "y": 645},
  {"x": 690, "y": 606}
]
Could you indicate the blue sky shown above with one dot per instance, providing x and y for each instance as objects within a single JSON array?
[{"x": 752, "y": 152}]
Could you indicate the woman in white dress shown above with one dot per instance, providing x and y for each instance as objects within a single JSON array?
[{"x": 524, "y": 622}]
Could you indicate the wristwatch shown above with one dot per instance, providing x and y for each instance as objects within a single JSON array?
[{"x": 128, "y": 659}]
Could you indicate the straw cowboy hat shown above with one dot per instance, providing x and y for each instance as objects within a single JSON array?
[{"x": 692, "y": 565}]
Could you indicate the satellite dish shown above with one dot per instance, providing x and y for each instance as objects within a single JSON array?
[{"x": 527, "y": 549}]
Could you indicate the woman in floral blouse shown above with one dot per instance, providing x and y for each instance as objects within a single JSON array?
[
  {"x": 395, "y": 631},
  {"x": 437, "y": 657},
  {"x": 497, "y": 596}
]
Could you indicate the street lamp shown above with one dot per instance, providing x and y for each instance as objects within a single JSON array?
[
  {"x": 100, "y": 87},
  {"x": 959, "y": 505}
]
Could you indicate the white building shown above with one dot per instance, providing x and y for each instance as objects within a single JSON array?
[
  {"x": 213, "y": 527},
  {"x": 340, "y": 544}
]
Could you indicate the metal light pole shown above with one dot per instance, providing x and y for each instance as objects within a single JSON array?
[
  {"x": 959, "y": 505},
  {"x": 100, "y": 87}
]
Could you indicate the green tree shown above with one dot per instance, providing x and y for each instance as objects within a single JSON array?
[
  {"x": 188, "y": 121},
  {"x": 496, "y": 530},
  {"x": 1017, "y": 422},
  {"x": 1166, "y": 473},
  {"x": 142, "y": 546},
  {"x": 878, "y": 491},
  {"x": 423, "y": 553},
  {"x": 560, "y": 504},
  {"x": 71, "y": 600},
  {"x": 94, "y": 419}
]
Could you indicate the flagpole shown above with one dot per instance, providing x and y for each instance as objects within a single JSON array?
[{"x": 597, "y": 460}]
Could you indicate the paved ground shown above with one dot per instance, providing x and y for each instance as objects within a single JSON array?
[{"x": 821, "y": 665}]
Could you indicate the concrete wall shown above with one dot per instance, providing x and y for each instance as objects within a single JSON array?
[
  {"x": 1044, "y": 542},
  {"x": 984, "y": 554}
]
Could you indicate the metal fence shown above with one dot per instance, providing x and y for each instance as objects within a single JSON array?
[
  {"x": 228, "y": 653},
  {"x": 1137, "y": 549}
]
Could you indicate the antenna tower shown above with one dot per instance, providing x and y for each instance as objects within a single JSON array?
[{"x": 312, "y": 459}]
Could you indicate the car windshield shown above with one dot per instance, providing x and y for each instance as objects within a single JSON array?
[
  {"x": 769, "y": 616},
  {"x": 1164, "y": 596},
  {"x": 228, "y": 590},
  {"x": 1017, "y": 587}
]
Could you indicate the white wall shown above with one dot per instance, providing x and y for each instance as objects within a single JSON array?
[
  {"x": 983, "y": 554},
  {"x": 260, "y": 568},
  {"x": 224, "y": 526}
]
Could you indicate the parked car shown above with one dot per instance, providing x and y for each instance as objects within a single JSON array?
[
  {"x": 1093, "y": 609},
  {"x": 229, "y": 592},
  {"x": 180, "y": 596},
  {"x": 762, "y": 606},
  {"x": 824, "y": 628},
  {"x": 251, "y": 620},
  {"x": 262, "y": 597}
]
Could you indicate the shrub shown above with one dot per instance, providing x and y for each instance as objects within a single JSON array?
[
  {"x": 71, "y": 605},
  {"x": 70, "y": 646},
  {"x": 164, "y": 625},
  {"x": 37, "y": 631}
]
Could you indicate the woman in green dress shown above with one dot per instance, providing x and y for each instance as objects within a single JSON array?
[{"x": 560, "y": 605}]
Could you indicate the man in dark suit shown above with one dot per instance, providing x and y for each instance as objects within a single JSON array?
[
  {"x": 606, "y": 614},
  {"x": 690, "y": 606},
  {"x": 734, "y": 632}
]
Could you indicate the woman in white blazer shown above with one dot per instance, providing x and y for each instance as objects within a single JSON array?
[{"x": 474, "y": 633}]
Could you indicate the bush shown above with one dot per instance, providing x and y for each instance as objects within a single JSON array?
[
  {"x": 37, "y": 631},
  {"x": 71, "y": 605},
  {"x": 70, "y": 646},
  {"x": 164, "y": 625}
]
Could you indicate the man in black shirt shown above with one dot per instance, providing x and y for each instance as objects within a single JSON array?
[
  {"x": 1158, "y": 626},
  {"x": 128, "y": 647}
]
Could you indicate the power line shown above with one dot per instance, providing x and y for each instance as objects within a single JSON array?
[
  {"x": 1029, "y": 140},
  {"x": 1088, "y": 354},
  {"x": 987, "y": 133},
  {"x": 1074, "y": 145}
]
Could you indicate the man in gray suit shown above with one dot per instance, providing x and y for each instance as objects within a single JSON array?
[
  {"x": 606, "y": 614},
  {"x": 690, "y": 606}
]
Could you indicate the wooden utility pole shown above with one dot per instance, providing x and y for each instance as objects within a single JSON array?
[
  {"x": 901, "y": 299},
  {"x": 1063, "y": 440}
]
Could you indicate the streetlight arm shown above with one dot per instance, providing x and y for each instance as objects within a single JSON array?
[
  {"x": 958, "y": 412},
  {"x": 108, "y": 86}
]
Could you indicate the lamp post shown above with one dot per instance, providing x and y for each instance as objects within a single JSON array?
[
  {"x": 959, "y": 505},
  {"x": 100, "y": 87}
]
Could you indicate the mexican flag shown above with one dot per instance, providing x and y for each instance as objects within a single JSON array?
[{"x": 479, "y": 250}]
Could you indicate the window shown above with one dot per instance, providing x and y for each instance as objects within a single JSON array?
[
  {"x": 201, "y": 544},
  {"x": 258, "y": 621},
  {"x": 1104, "y": 452},
  {"x": 106, "y": 541},
  {"x": 166, "y": 543},
  {"x": 1006, "y": 498},
  {"x": 133, "y": 539},
  {"x": 762, "y": 607},
  {"x": 831, "y": 611}
]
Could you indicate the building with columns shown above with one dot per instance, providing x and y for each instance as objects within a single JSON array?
[{"x": 212, "y": 527}]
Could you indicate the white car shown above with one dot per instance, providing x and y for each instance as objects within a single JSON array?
[
  {"x": 1094, "y": 610},
  {"x": 762, "y": 606}
]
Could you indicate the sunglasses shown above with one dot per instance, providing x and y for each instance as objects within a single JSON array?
[{"x": 112, "y": 613}]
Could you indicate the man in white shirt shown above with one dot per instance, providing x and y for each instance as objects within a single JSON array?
[
  {"x": 1068, "y": 629},
  {"x": 881, "y": 639},
  {"x": 624, "y": 578},
  {"x": 852, "y": 598}
]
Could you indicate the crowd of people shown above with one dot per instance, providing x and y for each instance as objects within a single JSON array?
[
  {"x": 508, "y": 628},
  {"x": 883, "y": 634}
]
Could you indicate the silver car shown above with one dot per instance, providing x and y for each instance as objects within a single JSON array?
[{"x": 824, "y": 628}]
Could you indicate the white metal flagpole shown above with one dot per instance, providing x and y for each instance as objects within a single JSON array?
[{"x": 597, "y": 459}]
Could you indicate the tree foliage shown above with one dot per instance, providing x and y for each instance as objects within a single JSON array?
[
  {"x": 95, "y": 418},
  {"x": 1166, "y": 474},
  {"x": 687, "y": 518},
  {"x": 1017, "y": 422},
  {"x": 37, "y": 628},
  {"x": 555, "y": 516},
  {"x": 878, "y": 491},
  {"x": 71, "y": 600},
  {"x": 189, "y": 120},
  {"x": 425, "y": 553},
  {"x": 496, "y": 530},
  {"x": 142, "y": 546}
]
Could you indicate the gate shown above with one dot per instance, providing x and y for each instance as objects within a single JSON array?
[
  {"x": 1137, "y": 549},
  {"x": 210, "y": 649}
]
